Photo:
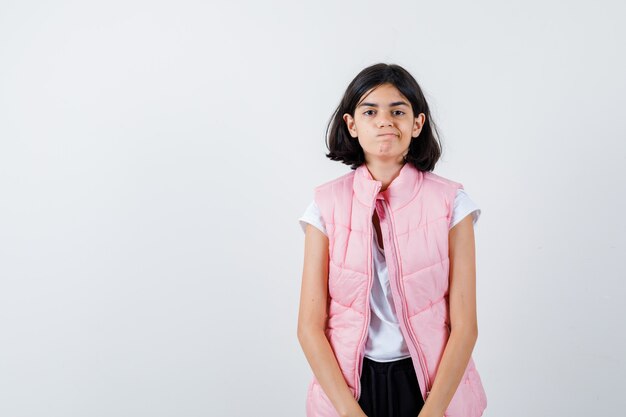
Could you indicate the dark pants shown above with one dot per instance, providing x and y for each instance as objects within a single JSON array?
[{"x": 390, "y": 389}]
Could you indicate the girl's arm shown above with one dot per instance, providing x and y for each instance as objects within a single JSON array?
[
  {"x": 311, "y": 323},
  {"x": 463, "y": 322}
]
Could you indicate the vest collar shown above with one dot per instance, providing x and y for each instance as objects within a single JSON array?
[{"x": 401, "y": 191}]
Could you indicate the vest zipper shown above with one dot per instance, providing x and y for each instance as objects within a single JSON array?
[
  {"x": 370, "y": 280},
  {"x": 400, "y": 286}
]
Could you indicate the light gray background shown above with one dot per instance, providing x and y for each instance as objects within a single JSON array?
[{"x": 155, "y": 157}]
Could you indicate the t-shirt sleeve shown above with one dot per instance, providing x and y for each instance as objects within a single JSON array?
[
  {"x": 312, "y": 216},
  {"x": 463, "y": 205}
]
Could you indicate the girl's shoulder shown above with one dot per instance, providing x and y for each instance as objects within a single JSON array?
[
  {"x": 329, "y": 183},
  {"x": 441, "y": 180}
]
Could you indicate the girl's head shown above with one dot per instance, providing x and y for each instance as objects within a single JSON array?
[{"x": 383, "y": 99}]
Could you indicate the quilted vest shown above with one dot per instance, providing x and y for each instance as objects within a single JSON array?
[{"x": 414, "y": 213}]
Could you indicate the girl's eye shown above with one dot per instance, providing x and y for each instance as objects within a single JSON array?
[{"x": 396, "y": 112}]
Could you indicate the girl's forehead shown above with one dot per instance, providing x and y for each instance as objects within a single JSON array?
[
  {"x": 383, "y": 89},
  {"x": 374, "y": 94}
]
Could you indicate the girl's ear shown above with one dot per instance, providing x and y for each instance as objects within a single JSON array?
[
  {"x": 420, "y": 119},
  {"x": 349, "y": 120}
]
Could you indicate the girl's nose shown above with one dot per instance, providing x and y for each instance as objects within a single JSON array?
[{"x": 383, "y": 123}]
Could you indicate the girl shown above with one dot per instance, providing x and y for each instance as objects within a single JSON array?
[{"x": 387, "y": 317}]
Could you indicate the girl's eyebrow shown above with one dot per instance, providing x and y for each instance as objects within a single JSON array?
[{"x": 395, "y": 103}]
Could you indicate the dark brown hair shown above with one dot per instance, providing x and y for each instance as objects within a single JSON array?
[{"x": 424, "y": 151}]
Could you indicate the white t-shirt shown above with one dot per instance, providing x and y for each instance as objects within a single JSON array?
[{"x": 385, "y": 342}]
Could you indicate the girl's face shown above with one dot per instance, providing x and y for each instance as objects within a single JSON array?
[{"x": 384, "y": 124}]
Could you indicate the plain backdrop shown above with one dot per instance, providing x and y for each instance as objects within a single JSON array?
[{"x": 155, "y": 157}]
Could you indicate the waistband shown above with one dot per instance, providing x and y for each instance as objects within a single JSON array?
[{"x": 405, "y": 364}]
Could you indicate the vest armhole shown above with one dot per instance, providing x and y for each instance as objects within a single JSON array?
[
  {"x": 452, "y": 198},
  {"x": 321, "y": 207}
]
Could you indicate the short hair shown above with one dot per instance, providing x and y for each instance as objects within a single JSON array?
[{"x": 423, "y": 153}]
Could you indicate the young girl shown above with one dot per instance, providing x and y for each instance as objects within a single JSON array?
[{"x": 387, "y": 317}]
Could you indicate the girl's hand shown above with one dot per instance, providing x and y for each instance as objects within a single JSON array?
[
  {"x": 359, "y": 413},
  {"x": 355, "y": 411}
]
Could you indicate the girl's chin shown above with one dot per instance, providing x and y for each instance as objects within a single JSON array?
[{"x": 385, "y": 147}]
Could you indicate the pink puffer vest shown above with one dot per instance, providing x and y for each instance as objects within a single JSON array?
[{"x": 414, "y": 213}]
